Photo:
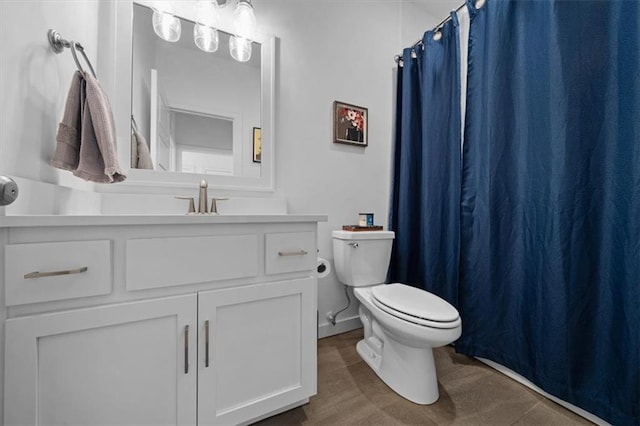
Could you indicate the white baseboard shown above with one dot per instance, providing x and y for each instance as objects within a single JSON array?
[
  {"x": 518, "y": 378},
  {"x": 342, "y": 326}
]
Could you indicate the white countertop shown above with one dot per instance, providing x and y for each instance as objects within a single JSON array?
[{"x": 107, "y": 220}]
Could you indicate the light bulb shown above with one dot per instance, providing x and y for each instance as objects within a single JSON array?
[
  {"x": 207, "y": 13},
  {"x": 205, "y": 37},
  {"x": 240, "y": 48},
  {"x": 244, "y": 20},
  {"x": 166, "y": 26}
]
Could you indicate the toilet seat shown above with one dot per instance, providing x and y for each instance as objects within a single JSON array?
[{"x": 415, "y": 305}]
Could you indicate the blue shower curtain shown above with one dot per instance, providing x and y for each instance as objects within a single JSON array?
[
  {"x": 536, "y": 239},
  {"x": 550, "y": 206},
  {"x": 425, "y": 206}
]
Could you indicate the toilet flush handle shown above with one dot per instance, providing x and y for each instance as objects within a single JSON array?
[{"x": 354, "y": 245}]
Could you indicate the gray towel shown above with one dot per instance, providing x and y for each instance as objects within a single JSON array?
[
  {"x": 98, "y": 155},
  {"x": 142, "y": 158},
  {"x": 86, "y": 137},
  {"x": 67, "y": 153}
]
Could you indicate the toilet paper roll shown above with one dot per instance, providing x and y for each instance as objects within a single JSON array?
[{"x": 323, "y": 267}]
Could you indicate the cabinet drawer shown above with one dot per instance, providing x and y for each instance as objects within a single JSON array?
[
  {"x": 60, "y": 268},
  {"x": 290, "y": 252},
  {"x": 163, "y": 262}
]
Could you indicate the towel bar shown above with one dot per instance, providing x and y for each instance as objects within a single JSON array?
[{"x": 58, "y": 44}]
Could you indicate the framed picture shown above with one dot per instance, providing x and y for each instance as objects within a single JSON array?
[
  {"x": 257, "y": 145},
  {"x": 350, "y": 124}
]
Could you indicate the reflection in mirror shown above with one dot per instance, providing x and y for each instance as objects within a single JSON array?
[
  {"x": 207, "y": 146},
  {"x": 194, "y": 111}
]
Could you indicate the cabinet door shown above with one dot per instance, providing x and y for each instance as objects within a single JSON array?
[
  {"x": 262, "y": 350},
  {"x": 117, "y": 364}
]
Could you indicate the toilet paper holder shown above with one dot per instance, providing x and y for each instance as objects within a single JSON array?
[
  {"x": 8, "y": 190},
  {"x": 323, "y": 267}
]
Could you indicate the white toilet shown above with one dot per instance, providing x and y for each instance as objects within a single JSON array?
[{"x": 401, "y": 323}]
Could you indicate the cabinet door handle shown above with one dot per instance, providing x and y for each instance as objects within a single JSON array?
[
  {"x": 206, "y": 340},
  {"x": 292, "y": 253},
  {"x": 186, "y": 349},
  {"x": 37, "y": 274}
]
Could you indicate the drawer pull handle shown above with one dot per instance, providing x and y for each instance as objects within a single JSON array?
[
  {"x": 206, "y": 347},
  {"x": 292, "y": 253},
  {"x": 186, "y": 349},
  {"x": 55, "y": 273}
]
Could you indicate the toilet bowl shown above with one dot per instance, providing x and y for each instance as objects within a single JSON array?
[{"x": 402, "y": 324}]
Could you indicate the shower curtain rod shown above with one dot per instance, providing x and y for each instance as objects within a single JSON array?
[{"x": 398, "y": 58}]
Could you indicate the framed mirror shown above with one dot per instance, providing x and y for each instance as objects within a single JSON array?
[{"x": 197, "y": 112}]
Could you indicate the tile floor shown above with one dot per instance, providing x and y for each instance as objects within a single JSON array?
[{"x": 350, "y": 393}]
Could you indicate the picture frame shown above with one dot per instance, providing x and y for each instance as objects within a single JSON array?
[
  {"x": 350, "y": 124},
  {"x": 257, "y": 145}
]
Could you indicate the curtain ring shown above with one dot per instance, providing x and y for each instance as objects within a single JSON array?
[
  {"x": 437, "y": 35},
  {"x": 480, "y": 3}
]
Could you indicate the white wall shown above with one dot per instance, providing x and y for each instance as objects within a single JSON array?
[
  {"x": 34, "y": 82},
  {"x": 416, "y": 20},
  {"x": 334, "y": 50}
]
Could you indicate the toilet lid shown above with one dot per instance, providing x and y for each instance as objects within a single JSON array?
[{"x": 415, "y": 305}]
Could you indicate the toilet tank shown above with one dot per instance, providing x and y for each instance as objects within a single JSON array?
[{"x": 362, "y": 258}]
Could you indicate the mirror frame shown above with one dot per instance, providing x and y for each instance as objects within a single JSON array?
[{"x": 117, "y": 77}]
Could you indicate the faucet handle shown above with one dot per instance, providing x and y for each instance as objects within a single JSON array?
[
  {"x": 192, "y": 205},
  {"x": 214, "y": 206}
]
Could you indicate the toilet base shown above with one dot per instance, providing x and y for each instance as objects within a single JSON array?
[{"x": 410, "y": 372}]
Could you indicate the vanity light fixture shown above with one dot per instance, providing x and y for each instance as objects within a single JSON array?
[
  {"x": 205, "y": 34},
  {"x": 240, "y": 48},
  {"x": 165, "y": 24},
  {"x": 244, "y": 20},
  {"x": 244, "y": 30}
]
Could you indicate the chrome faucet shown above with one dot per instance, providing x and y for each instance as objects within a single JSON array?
[{"x": 203, "y": 197}]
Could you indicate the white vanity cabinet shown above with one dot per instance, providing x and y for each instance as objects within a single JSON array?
[
  {"x": 257, "y": 351},
  {"x": 210, "y": 335},
  {"x": 117, "y": 364}
]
